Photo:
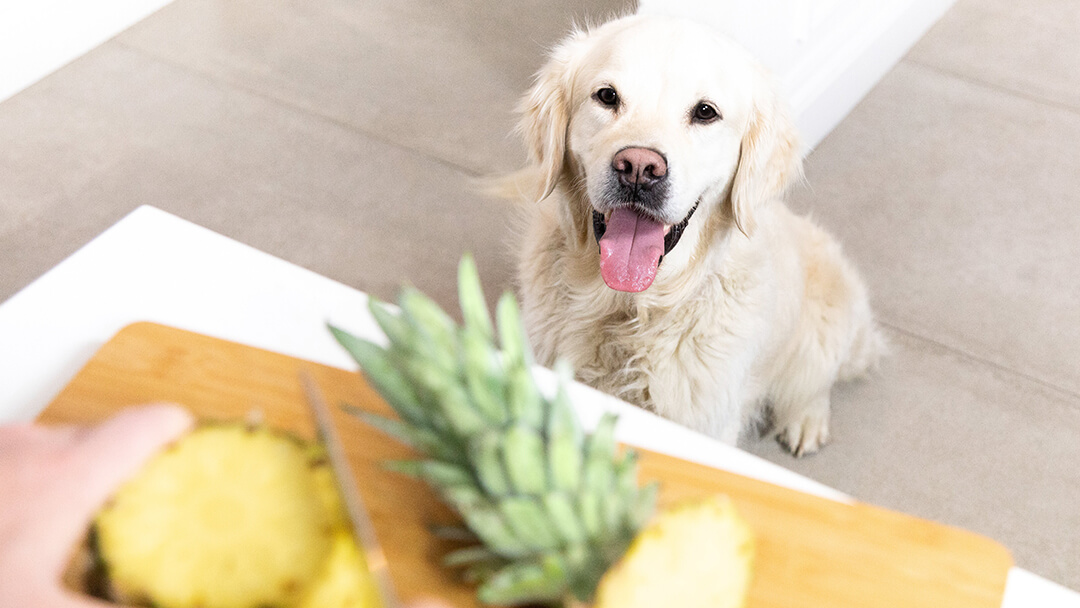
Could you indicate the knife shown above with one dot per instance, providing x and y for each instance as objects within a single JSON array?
[{"x": 362, "y": 528}]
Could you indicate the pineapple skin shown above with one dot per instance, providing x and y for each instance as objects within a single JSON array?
[
  {"x": 695, "y": 555},
  {"x": 228, "y": 517}
]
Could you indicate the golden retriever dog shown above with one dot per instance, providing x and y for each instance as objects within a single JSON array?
[{"x": 658, "y": 258}]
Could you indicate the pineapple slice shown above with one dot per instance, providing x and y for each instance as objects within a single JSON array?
[
  {"x": 344, "y": 582},
  {"x": 326, "y": 490},
  {"x": 695, "y": 555},
  {"x": 228, "y": 517}
]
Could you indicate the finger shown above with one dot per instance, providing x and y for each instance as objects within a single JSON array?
[
  {"x": 55, "y": 597},
  {"x": 21, "y": 443},
  {"x": 105, "y": 456},
  {"x": 60, "y": 598},
  {"x": 90, "y": 469}
]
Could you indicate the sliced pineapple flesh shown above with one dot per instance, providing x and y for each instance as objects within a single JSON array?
[
  {"x": 230, "y": 517},
  {"x": 344, "y": 581},
  {"x": 695, "y": 555}
]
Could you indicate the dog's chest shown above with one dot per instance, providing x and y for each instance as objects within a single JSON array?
[{"x": 661, "y": 360}]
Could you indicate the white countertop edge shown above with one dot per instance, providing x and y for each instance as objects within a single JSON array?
[
  {"x": 181, "y": 275},
  {"x": 38, "y": 38},
  {"x": 1025, "y": 589}
]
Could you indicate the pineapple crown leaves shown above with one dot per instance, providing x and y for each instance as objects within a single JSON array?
[{"x": 552, "y": 506}]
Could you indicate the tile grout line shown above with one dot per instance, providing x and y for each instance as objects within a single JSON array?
[
  {"x": 469, "y": 172},
  {"x": 983, "y": 361},
  {"x": 994, "y": 87}
]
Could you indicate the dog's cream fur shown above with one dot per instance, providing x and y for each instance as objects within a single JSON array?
[{"x": 755, "y": 307}]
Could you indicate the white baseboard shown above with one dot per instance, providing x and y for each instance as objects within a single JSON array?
[
  {"x": 834, "y": 87},
  {"x": 826, "y": 54},
  {"x": 38, "y": 37}
]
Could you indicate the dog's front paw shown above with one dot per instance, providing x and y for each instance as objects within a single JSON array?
[{"x": 806, "y": 434}]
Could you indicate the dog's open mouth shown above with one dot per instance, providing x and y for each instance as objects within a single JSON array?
[{"x": 632, "y": 245}]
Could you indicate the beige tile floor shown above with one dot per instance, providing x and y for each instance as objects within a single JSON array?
[{"x": 346, "y": 137}]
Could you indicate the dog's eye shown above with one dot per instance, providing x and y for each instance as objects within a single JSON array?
[
  {"x": 705, "y": 113},
  {"x": 607, "y": 96}
]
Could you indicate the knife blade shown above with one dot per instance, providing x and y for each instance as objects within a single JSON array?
[{"x": 362, "y": 528}]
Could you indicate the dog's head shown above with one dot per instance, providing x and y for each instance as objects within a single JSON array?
[{"x": 667, "y": 128}]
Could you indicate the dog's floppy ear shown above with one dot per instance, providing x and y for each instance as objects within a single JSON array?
[
  {"x": 545, "y": 113},
  {"x": 770, "y": 158}
]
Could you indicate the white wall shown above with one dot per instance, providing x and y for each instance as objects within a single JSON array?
[
  {"x": 38, "y": 37},
  {"x": 826, "y": 54}
]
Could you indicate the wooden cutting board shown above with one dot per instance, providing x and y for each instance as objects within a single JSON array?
[{"x": 812, "y": 552}]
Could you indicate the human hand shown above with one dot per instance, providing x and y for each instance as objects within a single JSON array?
[{"x": 52, "y": 482}]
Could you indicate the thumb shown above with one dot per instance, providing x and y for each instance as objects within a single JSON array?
[
  {"x": 64, "y": 599},
  {"x": 96, "y": 462},
  {"x": 103, "y": 457},
  {"x": 66, "y": 474}
]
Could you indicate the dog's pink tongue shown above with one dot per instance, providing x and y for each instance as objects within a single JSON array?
[{"x": 630, "y": 250}]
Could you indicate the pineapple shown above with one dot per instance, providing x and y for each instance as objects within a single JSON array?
[
  {"x": 231, "y": 516},
  {"x": 703, "y": 551},
  {"x": 554, "y": 509},
  {"x": 344, "y": 581}
]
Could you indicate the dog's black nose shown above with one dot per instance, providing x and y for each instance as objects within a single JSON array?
[{"x": 640, "y": 167}]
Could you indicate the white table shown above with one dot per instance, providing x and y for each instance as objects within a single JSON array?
[
  {"x": 152, "y": 266},
  {"x": 37, "y": 38}
]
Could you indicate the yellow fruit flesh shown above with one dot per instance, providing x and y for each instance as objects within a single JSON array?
[
  {"x": 696, "y": 555},
  {"x": 224, "y": 519},
  {"x": 326, "y": 490},
  {"x": 344, "y": 582}
]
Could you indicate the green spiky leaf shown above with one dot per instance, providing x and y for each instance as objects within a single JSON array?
[{"x": 552, "y": 506}]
